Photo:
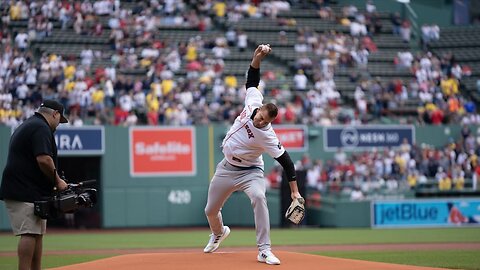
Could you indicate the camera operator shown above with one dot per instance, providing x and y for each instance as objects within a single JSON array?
[{"x": 29, "y": 175}]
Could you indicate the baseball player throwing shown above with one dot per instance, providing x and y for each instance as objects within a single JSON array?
[{"x": 242, "y": 167}]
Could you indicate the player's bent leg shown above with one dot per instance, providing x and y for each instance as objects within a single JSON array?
[
  {"x": 216, "y": 240},
  {"x": 219, "y": 190}
]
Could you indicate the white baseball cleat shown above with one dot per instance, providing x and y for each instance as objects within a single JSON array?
[
  {"x": 215, "y": 240},
  {"x": 267, "y": 257}
]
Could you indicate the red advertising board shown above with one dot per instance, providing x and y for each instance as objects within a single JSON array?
[
  {"x": 293, "y": 138},
  {"x": 158, "y": 151}
]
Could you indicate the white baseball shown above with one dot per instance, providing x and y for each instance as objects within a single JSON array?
[{"x": 265, "y": 48}]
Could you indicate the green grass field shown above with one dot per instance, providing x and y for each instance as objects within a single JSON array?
[
  {"x": 467, "y": 259},
  {"x": 454, "y": 259}
]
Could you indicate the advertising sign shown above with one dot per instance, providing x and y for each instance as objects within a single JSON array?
[
  {"x": 156, "y": 151},
  {"x": 292, "y": 137},
  {"x": 422, "y": 213},
  {"x": 362, "y": 137},
  {"x": 78, "y": 141}
]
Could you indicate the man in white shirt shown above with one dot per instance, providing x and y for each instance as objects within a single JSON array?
[
  {"x": 243, "y": 169},
  {"x": 22, "y": 41},
  {"x": 300, "y": 81}
]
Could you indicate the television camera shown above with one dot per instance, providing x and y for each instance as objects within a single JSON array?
[{"x": 75, "y": 197}]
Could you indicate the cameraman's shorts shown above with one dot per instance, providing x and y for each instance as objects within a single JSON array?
[{"x": 23, "y": 220}]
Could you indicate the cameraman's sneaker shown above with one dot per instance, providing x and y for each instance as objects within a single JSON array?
[
  {"x": 215, "y": 240},
  {"x": 267, "y": 257}
]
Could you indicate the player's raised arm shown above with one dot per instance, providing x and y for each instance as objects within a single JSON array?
[{"x": 253, "y": 75}]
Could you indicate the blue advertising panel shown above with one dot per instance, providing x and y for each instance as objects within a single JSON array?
[
  {"x": 426, "y": 213},
  {"x": 360, "y": 137},
  {"x": 76, "y": 141}
]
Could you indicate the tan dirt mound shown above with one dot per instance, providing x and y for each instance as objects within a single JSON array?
[{"x": 230, "y": 261}]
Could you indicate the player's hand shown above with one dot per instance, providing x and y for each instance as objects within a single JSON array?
[
  {"x": 262, "y": 51},
  {"x": 295, "y": 195},
  {"x": 61, "y": 185}
]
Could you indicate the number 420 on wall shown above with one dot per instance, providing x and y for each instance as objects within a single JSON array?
[{"x": 179, "y": 197}]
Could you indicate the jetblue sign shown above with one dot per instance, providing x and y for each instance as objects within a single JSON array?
[
  {"x": 80, "y": 141},
  {"x": 361, "y": 137},
  {"x": 431, "y": 213}
]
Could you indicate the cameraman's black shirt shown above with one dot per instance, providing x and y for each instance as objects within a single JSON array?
[{"x": 22, "y": 178}]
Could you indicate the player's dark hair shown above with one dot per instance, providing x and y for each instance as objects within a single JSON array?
[{"x": 271, "y": 109}]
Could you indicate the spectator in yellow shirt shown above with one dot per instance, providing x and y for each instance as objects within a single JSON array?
[
  {"x": 459, "y": 182},
  {"x": 220, "y": 8},
  {"x": 167, "y": 86},
  {"x": 412, "y": 180},
  {"x": 449, "y": 86},
  {"x": 69, "y": 71},
  {"x": 191, "y": 54},
  {"x": 429, "y": 107},
  {"x": 445, "y": 183},
  {"x": 230, "y": 81},
  {"x": 152, "y": 101},
  {"x": 15, "y": 11},
  {"x": 251, "y": 10},
  {"x": 69, "y": 85},
  {"x": 98, "y": 97}
]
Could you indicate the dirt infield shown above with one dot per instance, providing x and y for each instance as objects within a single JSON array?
[{"x": 231, "y": 261}]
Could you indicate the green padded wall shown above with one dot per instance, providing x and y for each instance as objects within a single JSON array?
[{"x": 157, "y": 201}]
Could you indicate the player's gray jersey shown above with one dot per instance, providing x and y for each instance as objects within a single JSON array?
[{"x": 244, "y": 143}]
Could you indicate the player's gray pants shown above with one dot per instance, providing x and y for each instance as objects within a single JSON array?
[{"x": 228, "y": 179}]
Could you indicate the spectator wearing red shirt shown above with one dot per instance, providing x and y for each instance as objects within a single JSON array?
[{"x": 437, "y": 117}]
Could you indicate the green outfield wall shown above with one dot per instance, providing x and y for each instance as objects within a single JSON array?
[
  {"x": 172, "y": 200},
  {"x": 334, "y": 212}
]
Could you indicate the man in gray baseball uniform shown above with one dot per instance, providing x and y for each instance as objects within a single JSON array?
[{"x": 242, "y": 167}]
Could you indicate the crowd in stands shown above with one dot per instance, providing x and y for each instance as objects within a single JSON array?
[
  {"x": 406, "y": 167},
  {"x": 159, "y": 97},
  {"x": 437, "y": 84}
]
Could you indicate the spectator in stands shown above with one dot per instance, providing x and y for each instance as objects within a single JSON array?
[
  {"x": 21, "y": 41},
  {"x": 300, "y": 81},
  {"x": 340, "y": 156},
  {"x": 274, "y": 178},
  {"x": 357, "y": 28},
  {"x": 370, "y": 7},
  {"x": 429, "y": 33},
  {"x": 242, "y": 40},
  {"x": 282, "y": 37},
  {"x": 458, "y": 177},
  {"x": 396, "y": 21},
  {"x": 303, "y": 62},
  {"x": 231, "y": 37},
  {"x": 313, "y": 176},
  {"x": 350, "y": 12},
  {"x": 404, "y": 60},
  {"x": 134, "y": 45},
  {"x": 356, "y": 194},
  {"x": 361, "y": 57},
  {"x": 405, "y": 31},
  {"x": 326, "y": 13}
]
